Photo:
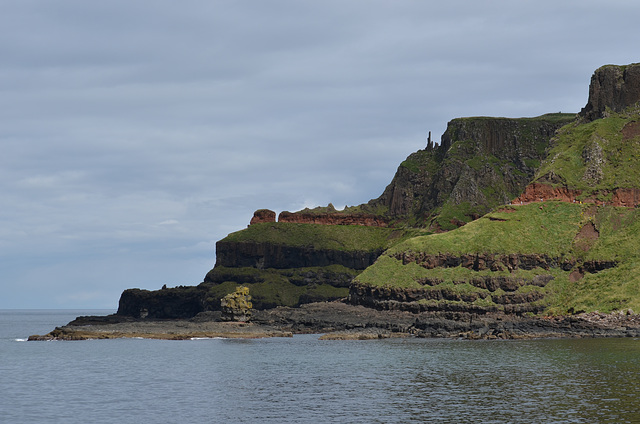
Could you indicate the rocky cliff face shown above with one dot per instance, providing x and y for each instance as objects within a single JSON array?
[
  {"x": 595, "y": 160},
  {"x": 588, "y": 169},
  {"x": 280, "y": 256},
  {"x": 481, "y": 163},
  {"x": 613, "y": 88},
  {"x": 167, "y": 303}
]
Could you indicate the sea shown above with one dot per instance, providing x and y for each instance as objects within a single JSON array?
[{"x": 307, "y": 380}]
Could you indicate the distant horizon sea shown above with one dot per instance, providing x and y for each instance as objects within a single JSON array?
[{"x": 306, "y": 380}]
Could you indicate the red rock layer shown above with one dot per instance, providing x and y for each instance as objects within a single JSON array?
[
  {"x": 263, "y": 215},
  {"x": 333, "y": 219},
  {"x": 536, "y": 192}
]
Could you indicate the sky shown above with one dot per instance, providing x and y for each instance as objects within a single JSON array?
[{"x": 135, "y": 134}]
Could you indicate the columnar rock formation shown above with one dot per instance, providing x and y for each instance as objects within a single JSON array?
[
  {"x": 278, "y": 256},
  {"x": 612, "y": 88},
  {"x": 481, "y": 163}
]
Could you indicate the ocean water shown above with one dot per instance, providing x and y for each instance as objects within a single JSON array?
[{"x": 305, "y": 380}]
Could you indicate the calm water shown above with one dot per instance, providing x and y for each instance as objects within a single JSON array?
[{"x": 304, "y": 380}]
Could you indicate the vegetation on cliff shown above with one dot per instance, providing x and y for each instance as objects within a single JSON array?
[
  {"x": 449, "y": 239},
  {"x": 597, "y": 156},
  {"x": 278, "y": 287},
  {"x": 320, "y": 237},
  {"x": 590, "y": 253},
  {"x": 482, "y": 163}
]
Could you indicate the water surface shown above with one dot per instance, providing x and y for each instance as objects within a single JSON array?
[{"x": 303, "y": 379}]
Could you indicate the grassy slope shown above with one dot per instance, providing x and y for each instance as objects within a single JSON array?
[
  {"x": 548, "y": 228},
  {"x": 621, "y": 157}
]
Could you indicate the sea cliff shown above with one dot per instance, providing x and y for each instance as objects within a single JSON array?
[{"x": 520, "y": 217}]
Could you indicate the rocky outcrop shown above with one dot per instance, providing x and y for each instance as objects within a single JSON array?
[
  {"x": 336, "y": 218},
  {"x": 263, "y": 215},
  {"x": 418, "y": 300},
  {"x": 481, "y": 162},
  {"x": 485, "y": 261},
  {"x": 500, "y": 262},
  {"x": 612, "y": 88},
  {"x": 279, "y": 256},
  {"x": 236, "y": 306},
  {"x": 168, "y": 303}
]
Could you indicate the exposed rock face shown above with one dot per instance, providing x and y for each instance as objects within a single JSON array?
[
  {"x": 447, "y": 300},
  {"x": 485, "y": 261},
  {"x": 263, "y": 215},
  {"x": 539, "y": 192},
  {"x": 613, "y": 87},
  {"x": 497, "y": 293},
  {"x": 268, "y": 255},
  {"x": 336, "y": 218},
  {"x": 179, "y": 302},
  {"x": 482, "y": 162},
  {"x": 593, "y": 157}
]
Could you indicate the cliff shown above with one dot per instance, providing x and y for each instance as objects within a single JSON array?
[
  {"x": 481, "y": 163},
  {"x": 314, "y": 254},
  {"x": 612, "y": 89},
  {"x": 268, "y": 255},
  {"x": 505, "y": 216},
  {"x": 568, "y": 243}
]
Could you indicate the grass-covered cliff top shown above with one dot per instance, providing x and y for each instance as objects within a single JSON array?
[
  {"x": 600, "y": 155},
  {"x": 335, "y": 237},
  {"x": 549, "y": 117}
]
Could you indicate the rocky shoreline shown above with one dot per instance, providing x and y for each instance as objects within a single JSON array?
[{"x": 341, "y": 321}]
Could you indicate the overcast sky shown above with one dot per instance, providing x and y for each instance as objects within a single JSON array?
[{"x": 135, "y": 134}]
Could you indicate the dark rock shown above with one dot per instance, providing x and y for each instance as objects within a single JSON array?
[
  {"x": 612, "y": 87},
  {"x": 429, "y": 178},
  {"x": 178, "y": 302},
  {"x": 280, "y": 256}
]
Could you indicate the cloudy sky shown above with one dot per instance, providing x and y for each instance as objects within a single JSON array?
[{"x": 135, "y": 134}]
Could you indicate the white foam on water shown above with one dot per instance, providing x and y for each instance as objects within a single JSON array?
[{"x": 207, "y": 338}]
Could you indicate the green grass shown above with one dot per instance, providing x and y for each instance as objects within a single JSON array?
[
  {"x": 528, "y": 229},
  {"x": 424, "y": 161},
  {"x": 336, "y": 237},
  {"x": 549, "y": 117},
  {"x": 540, "y": 228},
  {"x": 621, "y": 167},
  {"x": 277, "y": 287}
]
